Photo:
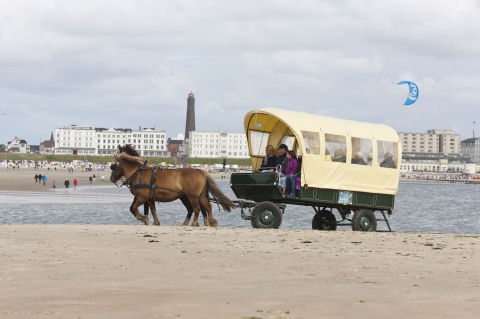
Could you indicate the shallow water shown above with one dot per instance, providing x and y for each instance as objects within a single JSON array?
[{"x": 427, "y": 207}]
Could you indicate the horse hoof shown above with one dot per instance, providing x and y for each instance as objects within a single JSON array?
[
  {"x": 213, "y": 223},
  {"x": 157, "y": 223}
]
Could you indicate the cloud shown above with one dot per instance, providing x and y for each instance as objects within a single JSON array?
[{"x": 133, "y": 63}]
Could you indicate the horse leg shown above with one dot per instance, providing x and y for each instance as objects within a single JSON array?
[
  {"x": 188, "y": 206},
  {"x": 136, "y": 213},
  {"x": 205, "y": 203},
  {"x": 151, "y": 204},
  {"x": 196, "y": 209}
]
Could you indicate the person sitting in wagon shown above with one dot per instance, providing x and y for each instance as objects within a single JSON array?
[
  {"x": 388, "y": 161},
  {"x": 339, "y": 156},
  {"x": 268, "y": 164},
  {"x": 282, "y": 160},
  {"x": 358, "y": 159},
  {"x": 289, "y": 171}
]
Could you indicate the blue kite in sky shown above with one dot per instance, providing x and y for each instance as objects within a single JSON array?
[{"x": 412, "y": 94}]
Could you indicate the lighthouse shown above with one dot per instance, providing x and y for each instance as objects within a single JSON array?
[{"x": 190, "y": 123}]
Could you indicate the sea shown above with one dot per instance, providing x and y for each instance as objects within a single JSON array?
[{"x": 420, "y": 207}]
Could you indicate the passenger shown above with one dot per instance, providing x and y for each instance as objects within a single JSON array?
[
  {"x": 291, "y": 169},
  {"x": 328, "y": 158},
  {"x": 282, "y": 161},
  {"x": 370, "y": 159},
  {"x": 339, "y": 156},
  {"x": 388, "y": 161},
  {"x": 359, "y": 159},
  {"x": 268, "y": 164}
]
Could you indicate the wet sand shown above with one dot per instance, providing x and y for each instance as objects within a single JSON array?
[{"x": 124, "y": 271}]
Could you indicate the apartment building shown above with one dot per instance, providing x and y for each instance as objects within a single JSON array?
[
  {"x": 86, "y": 140},
  {"x": 217, "y": 144},
  {"x": 434, "y": 141}
]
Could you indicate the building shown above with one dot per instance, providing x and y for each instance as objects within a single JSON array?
[
  {"x": 18, "y": 146},
  {"x": 434, "y": 141},
  {"x": 217, "y": 145},
  {"x": 85, "y": 140},
  {"x": 434, "y": 162},
  {"x": 471, "y": 146},
  {"x": 175, "y": 145}
]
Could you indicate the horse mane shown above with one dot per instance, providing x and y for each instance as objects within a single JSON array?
[
  {"x": 130, "y": 150},
  {"x": 129, "y": 154}
]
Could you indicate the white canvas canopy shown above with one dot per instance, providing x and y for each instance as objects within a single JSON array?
[{"x": 312, "y": 136}]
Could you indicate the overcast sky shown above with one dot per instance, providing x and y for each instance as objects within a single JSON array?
[{"x": 125, "y": 64}]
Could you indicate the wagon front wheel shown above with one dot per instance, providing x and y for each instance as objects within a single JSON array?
[
  {"x": 324, "y": 220},
  {"x": 266, "y": 215},
  {"x": 364, "y": 220}
]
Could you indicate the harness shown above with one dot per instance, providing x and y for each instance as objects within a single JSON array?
[{"x": 152, "y": 186}]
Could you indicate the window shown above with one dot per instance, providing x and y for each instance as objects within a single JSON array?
[
  {"x": 336, "y": 145},
  {"x": 361, "y": 149},
  {"x": 312, "y": 142},
  {"x": 387, "y": 154},
  {"x": 258, "y": 142}
]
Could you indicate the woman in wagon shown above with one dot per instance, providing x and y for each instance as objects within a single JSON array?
[
  {"x": 288, "y": 182},
  {"x": 268, "y": 163}
]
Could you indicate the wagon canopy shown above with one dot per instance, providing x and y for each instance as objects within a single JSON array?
[{"x": 321, "y": 141}]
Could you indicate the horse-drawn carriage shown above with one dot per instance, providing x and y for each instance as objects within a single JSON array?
[{"x": 360, "y": 194}]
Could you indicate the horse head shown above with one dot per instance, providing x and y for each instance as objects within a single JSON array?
[
  {"x": 126, "y": 163},
  {"x": 117, "y": 170}
]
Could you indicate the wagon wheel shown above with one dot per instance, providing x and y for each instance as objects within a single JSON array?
[
  {"x": 324, "y": 220},
  {"x": 364, "y": 220},
  {"x": 266, "y": 215}
]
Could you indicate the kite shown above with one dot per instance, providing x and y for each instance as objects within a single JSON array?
[{"x": 412, "y": 94}]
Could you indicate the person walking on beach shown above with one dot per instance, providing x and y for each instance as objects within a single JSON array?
[
  {"x": 54, "y": 184},
  {"x": 66, "y": 183},
  {"x": 75, "y": 183},
  {"x": 90, "y": 179},
  {"x": 36, "y": 178},
  {"x": 39, "y": 178},
  {"x": 44, "y": 179}
]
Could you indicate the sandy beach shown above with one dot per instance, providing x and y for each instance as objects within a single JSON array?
[{"x": 124, "y": 271}]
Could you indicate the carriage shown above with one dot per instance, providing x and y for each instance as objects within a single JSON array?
[{"x": 341, "y": 193}]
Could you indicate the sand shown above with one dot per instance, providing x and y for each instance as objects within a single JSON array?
[{"x": 124, "y": 271}]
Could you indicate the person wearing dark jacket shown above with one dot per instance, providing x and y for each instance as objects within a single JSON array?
[
  {"x": 388, "y": 161},
  {"x": 268, "y": 163}
]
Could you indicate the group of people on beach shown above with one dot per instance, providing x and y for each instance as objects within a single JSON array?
[{"x": 39, "y": 178}]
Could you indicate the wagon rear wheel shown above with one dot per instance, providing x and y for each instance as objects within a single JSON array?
[
  {"x": 266, "y": 215},
  {"x": 324, "y": 220},
  {"x": 364, "y": 220}
]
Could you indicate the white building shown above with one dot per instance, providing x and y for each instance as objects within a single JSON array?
[
  {"x": 217, "y": 145},
  {"x": 18, "y": 146},
  {"x": 434, "y": 141},
  {"x": 85, "y": 140},
  {"x": 471, "y": 146}
]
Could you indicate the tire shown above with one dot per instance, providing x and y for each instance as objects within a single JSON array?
[
  {"x": 364, "y": 220},
  {"x": 266, "y": 215},
  {"x": 324, "y": 220}
]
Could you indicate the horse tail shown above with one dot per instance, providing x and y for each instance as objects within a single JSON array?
[{"x": 217, "y": 193}]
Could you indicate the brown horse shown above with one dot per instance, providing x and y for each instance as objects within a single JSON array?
[{"x": 150, "y": 183}]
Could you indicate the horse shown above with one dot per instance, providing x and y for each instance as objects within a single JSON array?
[
  {"x": 149, "y": 183},
  {"x": 151, "y": 203}
]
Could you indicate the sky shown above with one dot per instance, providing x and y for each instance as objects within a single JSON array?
[{"x": 131, "y": 64}]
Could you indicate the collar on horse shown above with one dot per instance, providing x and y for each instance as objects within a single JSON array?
[{"x": 140, "y": 169}]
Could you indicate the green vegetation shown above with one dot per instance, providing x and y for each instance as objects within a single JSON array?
[{"x": 102, "y": 159}]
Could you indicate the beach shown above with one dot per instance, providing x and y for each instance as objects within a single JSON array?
[{"x": 137, "y": 271}]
